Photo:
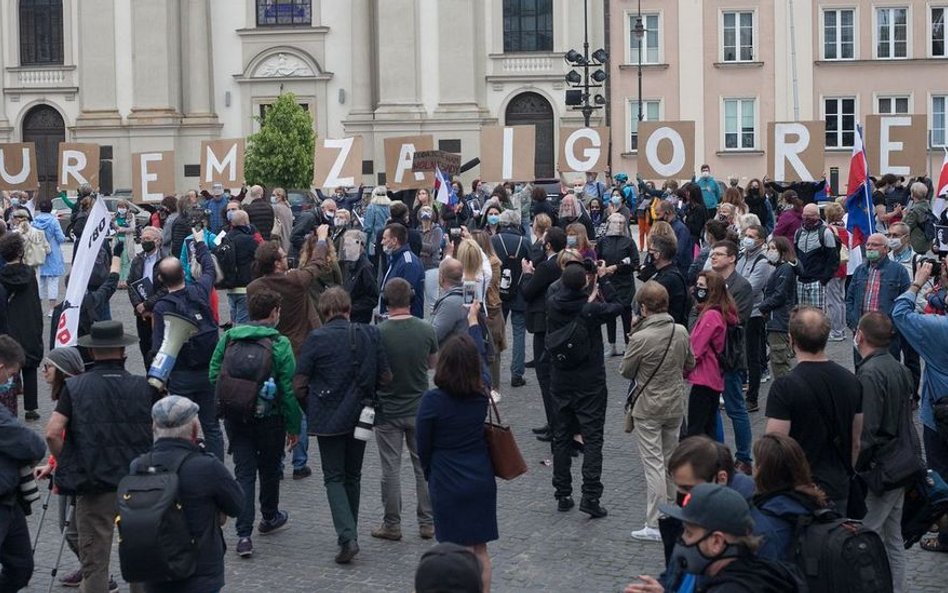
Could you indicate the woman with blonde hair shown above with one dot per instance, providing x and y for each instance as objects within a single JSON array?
[
  {"x": 328, "y": 276},
  {"x": 578, "y": 238},
  {"x": 423, "y": 200},
  {"x": 836, "y": 287},
  {"x": 735, "y": 197},
  {"x": 495, "y": 314}
]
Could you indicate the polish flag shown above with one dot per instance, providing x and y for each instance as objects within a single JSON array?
[
  {"x": 861, "y": 216},
  {"x": 941, "y": 188}
]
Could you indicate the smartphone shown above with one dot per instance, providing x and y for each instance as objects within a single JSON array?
[{"x": 469, "y": 292}]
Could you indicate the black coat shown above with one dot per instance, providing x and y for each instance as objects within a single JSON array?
[
  {"x": 92, "y": 302},
  {"x": 679, "y": 302},
  {"x": 24, "y": 310},
  {"x": 135, "y": 272},
  {"x": 564, "y": 306},
  {"x": 358, "y": 278},
  {"x": 533, "y": 287},
  {"x": 261, "y": 217},
  {"x": 620, "y": 251}
]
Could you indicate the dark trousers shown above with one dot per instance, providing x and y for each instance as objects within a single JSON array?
[
  {"x": 702, "y": 411},
  {"x": 195, "y": 385},
  {"x": 257, "y": 447},
  {"x": 143, "y": 326},
  {"x": 911, "y": 361},
  {"x": 626, "y": 326},
  {"x": 754, "y": 340},
  {"x": 341, "y": 458},
  {"x": 16, "y": 556},
  {"x": 586, "y": 409},
  {"x": 543, "y": 369},
  {"x": 936, "y": 453},
  {"x": 30, "y": 401}
]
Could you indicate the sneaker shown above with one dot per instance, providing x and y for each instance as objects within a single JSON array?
[
  {"x": 72, "y": 579},
  {"x": 389, "y": 533},
  {"x": 347, "y": 552},
  {"x": 517, "y": 382},
  {"x": 245, "y": 547},
  {"x": 592, "y": 508},
  {"x": 647, "y": 534},
  {"x": 564, "y": 503},
  {"x": 277, "y": 523},
  {"x": 495, "y": 396},
  {"x": 302, "y": 473},
  {"x": 113, "y": 586},
  {"x": 837, "y": 336},
  {"x": 765, "y": 376},
  {"x": 426, "y": 531},
  {"x": 32, "y": 415},
  {"x": 611, "y": 350},
  {"x": 753, "y": 406}
]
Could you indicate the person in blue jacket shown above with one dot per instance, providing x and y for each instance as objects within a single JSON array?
[
  {"x": 403, "y": 263},
  {"x": 710, "y": 190}
]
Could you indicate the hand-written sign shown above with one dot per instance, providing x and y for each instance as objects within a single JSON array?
[{"x": 430, "y": 160}]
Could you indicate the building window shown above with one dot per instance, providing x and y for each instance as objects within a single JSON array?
[
  {"x": 891, "y": 33},
  {"x": 938, "y": 32},
  {"x": 41, "y": 32},
  {"x": 738, "y": 36},
  {"x": 284, "y": 12},
  {"x": 650, "y": 112},
  {"x": 893, "y": 105},
  {"x": 840, "y": 113},
  {"x": 939, "y": 116},
  {"x": 649, "y": 44},
  {"x": 740, "y": 128},
  {"x": 528, "y": 25},
  {"x": 839, "y": 34}
]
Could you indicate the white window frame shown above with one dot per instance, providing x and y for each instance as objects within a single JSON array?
[
  {"x": 740, "y": 116},
  {"x": 839, "y": 9},
  {"x": 630, "y": 35},
  {"x": 754, "y": 35},
  {"x": 839, "y": 132},
  {"x": 892, "y": 97},
  {"x": 908, "y": 32},
  {"x": 929, "y": 31},
  {"x": 632, "y": 115},
  {"x": 931, "y": 122}
]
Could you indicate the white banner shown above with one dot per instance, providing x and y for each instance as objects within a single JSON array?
[{"x": 87, "y": 247}]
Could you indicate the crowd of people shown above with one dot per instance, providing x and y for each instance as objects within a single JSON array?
[{"x": 338, "y": 313}]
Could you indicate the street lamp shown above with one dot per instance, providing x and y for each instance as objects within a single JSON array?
[
  {"x": 639, "y": 32},
  {"x": 580, "y": 99}
]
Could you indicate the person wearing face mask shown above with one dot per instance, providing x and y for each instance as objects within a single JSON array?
[
  {"x": 491, "y": 220},
  {"x": 779, "y": 297},
  {"x": 358, "y": 276},
  {"x": 666, "y": 211},
  {"x": 431, "y": 237},
  {"x": 753, "y": 266},
  {"x": 718, "y": 548},
  {"x": 836, "y": 287},
  {"x": 571, "y": 210},
  {"x": 620, "y": 260},
  {"x": 215, "y": 202},
  {"x": 402, "y": 263},
  {"x": 423, "y": 200},
  {"x": 617, "y": 204},
  {"x": 598, "y": 218},
  {"x": 53, "y": 267},
  {"x": 790, "y": 219},
  {"x": 875, "y": 285},
  {"x": 124, "y": 225},
  {"x": 710, "y": 190},
  {"x": 817, "y": 252},
  {"x": 283, "y": 217},
  {"x": 805, "y": 190},
  {"x": 235, "y": 255},
  {"x": 145, "y": 288},
  {"x": 260, "y": 212},
  {"x": 757, "y": 203}
]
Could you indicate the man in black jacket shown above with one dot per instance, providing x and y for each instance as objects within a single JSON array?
[
  {"x": 19, "y": 447},
  {"x": 578, "y": 388},
  {"x": 101, "y": 423},
  {"x": 235, "y": 255},
  {"x": 260, "y": 212},
  {"x": 663, "y": 251},
  {"x": 512, "y": 248},
  {"x": 145, "y": 288},
  {"x": 533, "y": 286}
]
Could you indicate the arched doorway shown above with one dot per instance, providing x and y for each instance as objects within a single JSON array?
[
  {"x": 45, "y": 127},
  {"x": 532, "y": 109}
]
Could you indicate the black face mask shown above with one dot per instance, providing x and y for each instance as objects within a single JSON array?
[
  {"x": 148, "y": 246},
  {"x": 701, "y": 294}
]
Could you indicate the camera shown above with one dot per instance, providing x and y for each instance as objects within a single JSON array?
[
  {"x": 589, "y": 266},
  {"x": 936, "y": 265}
]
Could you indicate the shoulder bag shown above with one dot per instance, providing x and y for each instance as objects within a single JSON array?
[
  {"x": 630, "y": 401},
  {"x": 504, "y": 453}
]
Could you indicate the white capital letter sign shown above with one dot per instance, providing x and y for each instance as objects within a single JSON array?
[
  {"x": 676, "y": 163},
  {"x": 789, "y": 152},
  {"x": 22, "y": 175},
  {"x": 217, "y": 166},
  {"x": 507, "y": 159},
  {"x": 344, "y": 146},
  {"x": 73, "y": 164},
  {"x": 887, "y": 145},
  {"x": 149, "y": 176},
  {"x": 590, "y": 155},
  {"x": 405, "y": 155},
  {"x": 399, "y": 160},
  {"x": 666, "y": 149}
]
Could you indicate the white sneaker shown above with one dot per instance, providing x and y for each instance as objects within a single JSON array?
[
  {"x": 495, "y": 395},
  {"x": 647, "y": 534},
  {"x": 837, "y": 337}
]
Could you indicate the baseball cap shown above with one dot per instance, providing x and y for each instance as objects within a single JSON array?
[
  {"x": 448, "y": 568},
  {"x": 715, "y": 508},
  {"x": 173, "y": 411}
]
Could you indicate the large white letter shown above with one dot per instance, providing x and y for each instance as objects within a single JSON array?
[
  {"x": 506, "y": 159},
  {"x": 345, "y": 147},
  {"x": 405, "y": 155},
  {"x": 147, "y": 176},
  {"x": 677, "y": 162},
  {"x": 74, "y": 161},
  {"x": 591, "y": 154},
  {"x": 886, "y": 146},
  {"x": 790, "y": 152},
  {"x": 229, "y": 161},
  {"x": 22, "y": 175}
]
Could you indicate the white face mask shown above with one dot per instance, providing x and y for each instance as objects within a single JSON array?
[
  {"x": 748, "y": 243},
  {"x": 893, "y": 243},
  {"x": 706, "y": 174},
  {"x": 773, "y": 256}
]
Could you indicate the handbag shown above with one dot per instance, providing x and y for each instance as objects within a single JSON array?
[
  {"x": 899, "y": 462},
  {"x": 504, "y": 453},
  {"x": 630, "y": 401}
]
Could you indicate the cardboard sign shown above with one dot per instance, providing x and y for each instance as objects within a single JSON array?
[
  {"x": 941, "y": 236},
  {"x": 796, "y": 150},
  {"x": 18, "y": 166},
  {"x": 666, "y": 149},
  {"x": 337, "y": 162},
  {"x": 508, "y": 153},
  {"x": 584, "y": 150},
  {"x": 78, "y": 164},
  {"x": 431, "y": 160},
  {"x": 897, "y": 144},
  {"x": 222, "y": 161},
  {"x": 399, "y": 160},
  {"x": 152, "y": 175}
]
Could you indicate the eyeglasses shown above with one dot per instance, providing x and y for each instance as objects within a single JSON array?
[{"x": 718, "y": 254}]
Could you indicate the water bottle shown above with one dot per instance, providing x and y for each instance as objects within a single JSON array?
[
  {"x": 265, "y": 397},
  {"x": 363, "y": 429}
]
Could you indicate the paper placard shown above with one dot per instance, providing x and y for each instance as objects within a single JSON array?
[
  {"x": 666, "y": 149},
  {"x": 584, "y": 150},
  {"x": 399, "y": 157},
  {"x": 338, "y": 162},
  {"x": 941, "y": 239},
  {"x": 222, "y": 161},
  {"x": 508, "y": 153},
  {"x": 431, "y": 160},
  {"x": 152, "y": 175},
  {"x": 897, "y": 144},
  {"x": 18, "y": 166},
  {"x": 78, "y": 164},
  {"x": 796, "y": 150}
]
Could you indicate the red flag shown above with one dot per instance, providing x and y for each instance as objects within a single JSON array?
[{"x": 942, "y": 187}]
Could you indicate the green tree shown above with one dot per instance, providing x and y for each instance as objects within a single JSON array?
[{"x": 281, "y": 153}]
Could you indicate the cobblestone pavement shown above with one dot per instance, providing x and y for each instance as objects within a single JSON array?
[{"x": 539, "y": 548}]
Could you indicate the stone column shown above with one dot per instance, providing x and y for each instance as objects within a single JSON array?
[
  {"x": 458, "y": 88},
  {"x": 96, "y": 64},
  {"x": 361, "y": 46},
  {"x": 197, "y": 79},
  {"x": 398, "y": 63},
  {"x": 156, "y": 48}
]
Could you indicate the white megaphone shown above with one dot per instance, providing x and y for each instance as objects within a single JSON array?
[{"x": 178, "y": 330}]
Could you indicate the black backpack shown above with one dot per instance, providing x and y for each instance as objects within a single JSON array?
[
  {"x": 569, "y": 345},
  {"x": 511, "y": 270},
  {"x": 245, "y": 366},
  {"x": 928, "y": 224},
  {"x": 732, "y": 357},
  {"x": 155, "y": 540},
  {"x": 226, "y": 255}
]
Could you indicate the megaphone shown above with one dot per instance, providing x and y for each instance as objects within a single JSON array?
[{"x": 178, "y": 330}]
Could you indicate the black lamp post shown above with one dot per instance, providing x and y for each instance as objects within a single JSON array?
[
  {"x": 580, "y": 99},
  {"x": 640, "y": 35}
]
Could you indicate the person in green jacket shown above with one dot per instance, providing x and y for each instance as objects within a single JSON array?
[{"x": 257, "y": 444}]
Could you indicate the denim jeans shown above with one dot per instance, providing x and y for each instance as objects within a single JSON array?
[
  {"x": 195, "y": 385},
  {"x": 936, "y": 454},
  {"x": 301, "y": 450},
  {"x": 389, "y": 437},
  {"x": 341, "y": 458},
  {"x": 238, "y": 308},
  {"x": 518, "y": 323},
  {"x": 257, "y": 447},
  {"x": 736, "y": 409}
]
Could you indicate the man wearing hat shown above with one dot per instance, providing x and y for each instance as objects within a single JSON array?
[
  {"x": 204, "y": 485},
  {"x": 102, "y": 422},
  {"x": 717, "y": 547},
  {"x": 215, "y": 202}
]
